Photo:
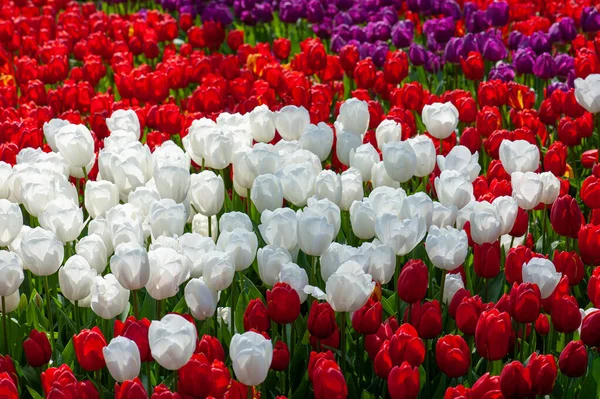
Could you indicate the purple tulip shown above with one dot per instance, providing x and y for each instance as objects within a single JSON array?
[
  {"x": 567, "y": 29},
  {"x": 337, "y": 42},
  {"x": 590, "y": 19},
  {"x": 323, "y": 30},
  {"x": 344, "y": 4},
  {"x": 402, "y": 34},
  {"x": 358, "y": 14},
  {"x": 544, "y": 66},
  {"x": 503, "y": 72},
  {"x": 289, "y": 12},
  {"x": 389, "y": 15},
  {"x": 540, "y": 42},
  {"x": 451, "y": 51},
  {"x": 450, "y": 8},
  {"x": 433, "y": 64},
  {"x": 497, "y": 13},
  {"x": 564, "y": 64},
  {"x": 469, "y": 42},
  {"x": 523, "y": 60},
  {"x": 377, "y": 31},
  {"x": 444, "y": 30},
  {"x": 314, "y": 11},
  {"x": 417, "y": 54},
  {"x": 263, "y": 12},
  {"x": 477, "y": 22},
  {"x": 515, "y": 40},
  {"x": 554, "y": 33},
  {"x": 556, "y": 86},
  {"x": 342, "y": 18},
  {"x": 494, "y": 49},
  {"x": 379, "y": 53}
]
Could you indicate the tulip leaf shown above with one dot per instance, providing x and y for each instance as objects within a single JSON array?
[
  {"x": 422, "y": 377},
  {"x": 302, "y": 391},
  {"x": 33, "y": 393},
  {"x": 388, "y": 304},
  {"x": 148, "y": 308},
  {"x": 366, "y": 395},
  {"x": 68, "y": 354}
]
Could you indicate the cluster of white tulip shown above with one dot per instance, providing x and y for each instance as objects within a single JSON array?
[{"x": 155, "y": 221}]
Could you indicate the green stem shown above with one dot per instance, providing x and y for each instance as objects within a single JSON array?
[
  {"x": 442, "y": 286},
  {"x": 99, "y": 383},
  {"x": 175, "y": 379},
  {"x": 343, "y": 342},
  {"x": 49, "y": 308},
  {"x": 4, "y": 325},
  {"x": 136, "y": 311},
  {"x": 233, "y": 300},
  {"x": 149, "y": 376}
]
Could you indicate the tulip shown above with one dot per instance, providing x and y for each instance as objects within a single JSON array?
[
  {"x": 507, "y": 210},
  {"x": 251, "y": 355},
  {"x": 363, "y": 158},
  {"x": 11, "y": 220},
  {"x": 527, "y": 189},
  {"x": 168, "y": 270},
  {"x": 525, "y": 302},
  {"x": 542, "y": 369},
  {"x": 346, "y": 142},
  {"x": 460, "y": 160},
  {"x": 50, "y": 129},
  {"x": 217, "y": 148},
  {"x": 467, "y": 313},
  {"x": 541, "y": 272},
  {"x": 194, "y": 246},
  {"x": 37, "y": 349},
  {"x": 400, "y": 160},
  {"x": 89, "y": 346},
  {"x": 296, "y": 277},
  {"x": 492, "y": 335},
  {"x": 402, "y": 235},
  {"x": 200, "y": 298},
  {"x": 447, "y": 248},
  {"x": 11, "y": 302},
  {"x": 122, "y": 358},
  {"x": 281, "y": 357},
  {"x": 349, "y": 288},
  {"x": 565, "y": 216},
  {"x": 298, "y": 182},
  {"x": 93, "y": 250},
  {"x": 172, "y": 341},
  {"x": 133, "y": 389},
  {"x": 283, "y": 303},
  {"x": 241, "y": 244},
  {"x": 270, "y": 260},
  {"x": 453, "y": 189},
  {"x": 315, "y": 232},
  {"x": 403, "y": 382},
  {"x": 321, "y": 320},
  {"x": 195, "y": 378},
  {"x": 387, "y": 131},
  {"x": 550, "y": 189},
  {"x": 443, "y": 216},
  {"x": 262, "y": 124},
  {"x": 291, "y": 121},
  {"x": 11, "y": 273},
  {"x": 63, "y": 218},
  {"x": 137, "y": 331},
  {"x": 593, "y": 288},
  {"x": 425, "y": 152},
  {"x": 587, "y": 92},
  {"x": 42, "y": 252},
  {"x": 573, "y": 360},
  {"x": 413, "y": 281},
  {"x": 453, "y": 355},
  {"x": 453, "y": 283},
  {"x": 100, "y": 196},
  {"x": 382, "y": 260},
  {"x": 75, "y": 144},
  {"x": 515, "y": 381},
  {"x": 329, "y": 209},
  {"x": 486, "y": 224},
  {"x": 126, "y": 120},
  {"x": 440, "y": 119},
  {"x": 352, "y": 188},
  {"x": 172, "y": 181},
  {"x": 218, "y": 270},
  {"x": 266, "y": 193},
  {"x": 367, "y": 319},
  {"x": 362, "y": 219},
  {"x": 380, "y": 177},
  {"x": 329, "y": 185},
  {"x": 335, "y": 255},
  {"x": 109, "y": 298},
  {"x": 519, "y": 156},
  {"x": 76, "y": 278},
  {"x": 130, "y": 266},
  {"x": 279, "y": 228},
  {"x": 256, "y": 316},
  {"x": 207, "y": 193},
  {"x": 354, "y": 116},
  {"x": 318, "y": 139},
  {"x": 328, "y": 379}
]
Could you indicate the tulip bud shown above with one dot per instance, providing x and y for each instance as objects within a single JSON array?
[
  {"x": 321, "y": 320},
  {"x": 400, "y": 160},
  {"x": 75, "y": 144},
  {"x": 279, "y": 228},
  {"x": 486, "y": 259},
  {"x": 380, "y": 177},
  {"x": 403, "y": 382},
  {"x": 318, "y": 139},
  {"x": 132, "y": 389},
  {"x": 11, "y": 220},
  {"x": 207, "y": 192},
  {"x": 349, "y": 288},
  {"x": 573, "y": 360},
  {"x": 425, "y": 153},
  {"x": 218, "y": 270},
  {"x": 267, "y": 193},
  {"x": 315, "y": 232},
  {"x": 262, "y": 123},
  {"x": 100, "y": 196},
  {"x": 291, "y": 121},
  {"x": 587, "y": 93},
  {"x": 281, "y": 357},
  {"x": 167, "y": 218},
  {"x": 168, "y": 270},
  {"x": 252, "y": 349},
  {"x": 362, "y": 219},
  {"x": 354, "y": 116},
  {"x": 76, "y": 278},
  {"x": 486, "y": 224},
  {"x": 453, "y": 355},
  {"x": 89, "y": 346},
  {"x": 352, "y": 188},
  {"x": 541, "y": 272},
  {"x": 550, "y": 189},
  {"x": 440, "y": 119},
  {"x": 387, "y": 131},
  {"x": 329, "y": 185},
  {"x": 109, "y": 298},
  {"x": 93, "y": 250},
  {"x": 542, "y": 369},
  {"x": 256, "y": 317},
  {"x": 367, "y": 319},
  {"x": 42, "y": 252},
  {"x": 172, "y": 341},
  {"x": 363, "y": 158},
  {"x": 122, "y": 358},
  {"x": 37, "y": 349},
  {"x": 447, "y": 248},
  {"x": 493, "y": 333},
  {"x": 515, "y": 381},
  {"x": 525, "y": 302},
  {"x": 283, "y": 303},
  {"x": 126, "y": 120},
  {"x": 200, "y": 298},
  {"x": 172, "y": 181}
]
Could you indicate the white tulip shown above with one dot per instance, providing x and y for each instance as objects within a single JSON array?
[
  {"x": 167, "y": 218},
  {"x": 349, "y": 288},
  {"x": 461, "y": 160},
  {"x": 452, "y": 285},
  {"x": 100, "y": 196},
  {"x": 76, "y": 278},
  {"x": 279, "y": 228},
  {"x": 527, "y": 189},
  {"x": 218, "y": 270},
  {"x": 251, "y": 356},
  {"x": 541, "y": 272},
  {"x": 262, "y": 123},
  {"x": 329, "y": 185},
  {"x": 352, "y": 188},
  {"x": 172, "y": 341},
  {"x": 168, "y": 270},
  {"x": 109, "y": 298},
  {"x": 453, "y": 189},
  {"x": 195, "y": 246},
  {"x": 440, "y": 119},
  {"x": 50, "y": 129},
  {"x": 425, "y": 152},
  {"x": 388, "y": 130},
  {"x": 11, "y": 273},
  {"x": 486, "y": 223},
  {"x": 380, "y": 177},
  {"x": 122, "y": 358},
  {"x": 354, "y": 116},
  {"x": 207, "y": 192},
  {"x": 241, "y": 244},
  {"x": 382, "y": 260},
  {"x": 519, "y": 156},
  {"x": 402, "y": 235},
  {"x": 200, "y": 298},
  {"x": 130, "y": 265},
  {"x": 315, "y": 232},
  {"x": 447, "y": 247},
  {"x": 346, "y": 142},
  {"x": 296, "y": 277},
  {"x": 443, "y": 216},
  {"x": 400, "y": 160},
  {"x": 75, "y": 144},
  {"x": 42, "y": 252},
  {"x": 291, "y": 121},
  {"x": 298, "y": 182},
  {"x": 318, "y": 139},
  {"x": 507, "y": 210},
  {"x": 63, "y": 218},
  {"x": 123, "y": 119},
  {"x": 11, "y": 221},
  {"x": 587, "y": 92},
  {"x": 270, "y": 260},
  {"x": 550, "y": 189},
  {"x": 362, "y": 219}
]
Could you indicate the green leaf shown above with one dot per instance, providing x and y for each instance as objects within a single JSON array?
[
  {"x": 68, "y": 354},
  {"x": 389, "y": 305},
  {"x": 34, "y": 394},
  {"x": 422, "y": 377},
  {"x": 303, "y": 389}
]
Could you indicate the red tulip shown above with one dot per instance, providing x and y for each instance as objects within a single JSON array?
[
  {"x": 395, "y": 67},
  {"x": 162, "y": 392},
  {"x": 321, "y": 320},
  {"x": 590, "y": 192},
  {"x": 467, "y": 314},
  {"x": 555, "y": 160},
  {"x": 281, "y": 48},
  {"x": 515, "y": 381},
  {"x": 367, "y": 319},
  {"x": 542, "y": 325},
  {"x": 593, "y": 287},
  {"x": 570, "y": 265},
  {"x": 373, "y": 342},
  {"x": 525, "y": 302},
  {"x": 486, "y": 385},
  {"x": 131, "y": 389},
  {"x": 221, "y": 378},
  {"x": 88, "y": 348},
  {"x": 589, "y": 242},
  {"x": 8, "y": 389},
  {"x": 453, "y": 355},
  {"x": 573, "y": 360},
  {"x": 281, "y": 356},
  {"x": 492, "y": 335},
  {"x": 473, "y": 67},
  {"x": 406, "y": 346},
  {"x": 195, "y": 378},
  {"x": 590, "y": 326},
  {"x": 565, "y": 216},
  {"x": 542, "y": 369},
  {"x": 413, "y": 281},
  {"x": 403, "y": 382},
  {"x": 37, "y": 349},
  {"x": 382, "y": 364},
  {"x": 566, "y": 317},
  {"x": 521, "y": 223},
  {"x": 513, "y": 265},
  {"x": 327, "y": 378},
  {"x": 364, "y": 73},
  {"x": 489, "y": 119},
  {"x": 256, "y": 317},
  {"x": 283, "y": 303},
  {"x": 137, "y": 331},
  {"x": 426, "y": 318},
  {"x": 235, "y": 38},
  {"x": 589, "y": 158},
  {"x": 486, "y": 259}
]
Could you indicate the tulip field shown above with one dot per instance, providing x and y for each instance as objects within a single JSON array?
[{"x": 299, "y": 199}]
